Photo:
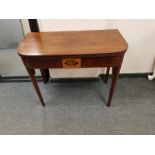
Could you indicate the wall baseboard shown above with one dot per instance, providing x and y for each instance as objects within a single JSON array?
[
  {"x": 8, "y": 79},
  {"x": 74, "y": 80},
  {"x": 135, "y": 75}
]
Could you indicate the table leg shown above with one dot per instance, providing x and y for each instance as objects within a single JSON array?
[
  {"x": 34, "y": 81},
  {"x": 45, "y": 75},
  {"x": 115, "y": 75},
  {"x": 107, "y": 75}
]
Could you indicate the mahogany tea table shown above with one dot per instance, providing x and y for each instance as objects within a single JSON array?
[{"x": 73, "y": 49}]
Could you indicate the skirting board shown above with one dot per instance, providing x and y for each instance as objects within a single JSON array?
[
  {"x": 66, "y": 80},
  {"x": 8, "y": 79}
]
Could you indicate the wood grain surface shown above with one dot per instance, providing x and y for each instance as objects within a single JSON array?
[{"x": 72, "y": 43}]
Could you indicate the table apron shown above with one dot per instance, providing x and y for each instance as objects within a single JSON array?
[{"x": 85, "y": 62}]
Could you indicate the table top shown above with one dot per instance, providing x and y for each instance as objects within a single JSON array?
[{"x": 72, "y": 43}]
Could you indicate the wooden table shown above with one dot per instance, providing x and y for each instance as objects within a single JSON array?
[{"x": 73, "y": 49}]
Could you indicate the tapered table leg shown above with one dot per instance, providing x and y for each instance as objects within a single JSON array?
[
  {"x": 45, "y": 75},
  {"x": 115, "y": 72},
  {"x": 34, "y": 81}
]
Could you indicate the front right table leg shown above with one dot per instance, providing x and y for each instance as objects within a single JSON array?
[{"x": 115, "y": 75}]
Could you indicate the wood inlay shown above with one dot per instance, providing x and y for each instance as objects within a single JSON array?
[{"x": 71, "y": 63}]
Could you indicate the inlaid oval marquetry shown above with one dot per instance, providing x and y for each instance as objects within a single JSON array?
[{"x": 71, "y": 63}]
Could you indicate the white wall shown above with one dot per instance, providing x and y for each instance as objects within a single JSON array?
[
  {"x": 140, "y": 35},
  {"x": 71, "y": 24}
]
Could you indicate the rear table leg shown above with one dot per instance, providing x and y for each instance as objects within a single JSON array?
[
  {"x": 107, "y": 75},
  {"x": 45, "y": 75}
]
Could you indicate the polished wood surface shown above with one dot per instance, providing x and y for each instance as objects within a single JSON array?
[
  {"x": 72, "y": 43},
  {"x": 78, "y": 49}
]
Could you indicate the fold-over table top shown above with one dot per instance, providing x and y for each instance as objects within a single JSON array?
[{"x": 72, "y": 43}]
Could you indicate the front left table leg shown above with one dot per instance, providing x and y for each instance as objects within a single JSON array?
[{"x": 34, "y": 81}]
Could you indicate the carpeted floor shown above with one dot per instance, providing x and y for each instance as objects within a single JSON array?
[{"x": 78, "y": 108}]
